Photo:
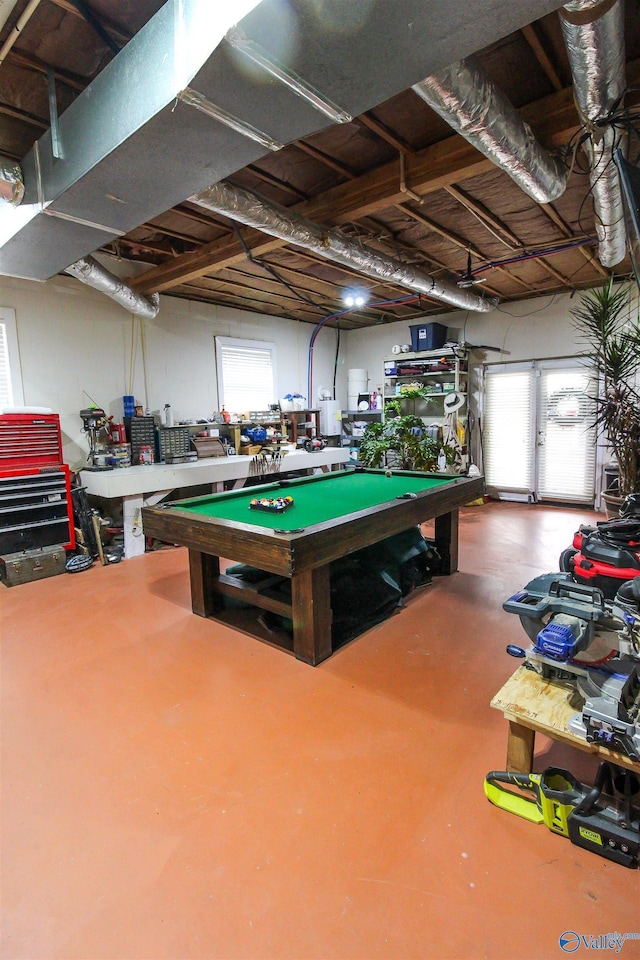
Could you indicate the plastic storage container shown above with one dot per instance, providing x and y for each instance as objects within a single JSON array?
[{"x": 427, "y": 336}]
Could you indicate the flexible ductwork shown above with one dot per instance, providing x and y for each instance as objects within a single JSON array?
[
  {"x": 594, "y": 37},
  {"x": 11, "y": 182},
  {"x": 278, "y": 221},
  {"x": 92, "y": 273},
  {"x": 466, "y": 98}
]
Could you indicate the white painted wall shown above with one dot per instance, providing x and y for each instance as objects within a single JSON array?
[
  {"x": 530, "y": 329},
  {"x": 78, "y": 347},
  {"x": 527, "y": 330}
]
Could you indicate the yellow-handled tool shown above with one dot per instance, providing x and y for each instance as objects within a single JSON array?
[{"x": 553, "y": 795}]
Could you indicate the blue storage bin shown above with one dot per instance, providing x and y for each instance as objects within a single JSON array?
[{"x": 428, "y": 336}]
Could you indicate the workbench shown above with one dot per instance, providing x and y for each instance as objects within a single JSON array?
[
  {"x": 533, "y": 705},
  {"x": 148, "y": 484}
]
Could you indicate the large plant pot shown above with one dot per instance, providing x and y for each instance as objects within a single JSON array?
[{"x": 612, "y": 504}]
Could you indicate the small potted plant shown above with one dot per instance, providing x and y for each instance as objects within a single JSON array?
[{"x": 612, "y": 338}]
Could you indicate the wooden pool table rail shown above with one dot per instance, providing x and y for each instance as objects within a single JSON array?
[{"x": 302, "y": 557}]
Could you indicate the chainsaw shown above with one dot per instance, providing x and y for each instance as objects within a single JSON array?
[{"x": 602, "y": 818}]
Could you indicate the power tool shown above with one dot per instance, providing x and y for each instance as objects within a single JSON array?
[
  {"x": 578, "y": 635},
  {"x": 601, "y": 818}
]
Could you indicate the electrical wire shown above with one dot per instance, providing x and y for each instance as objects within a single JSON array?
[
  {"x": 534, "y": 254},
  {"x": 625, "y": 123},
  {"x": 269, "y": 269},
  {"x": 335, "y": 363},
  {"x": 335, "y": 316}
]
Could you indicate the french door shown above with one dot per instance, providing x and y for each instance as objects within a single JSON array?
[{"x": 538, "y": 433}]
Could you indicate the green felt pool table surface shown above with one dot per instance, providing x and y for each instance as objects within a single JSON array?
[
  {"x": 316, "y": 500},
  {"x": 333, "y": 515}
]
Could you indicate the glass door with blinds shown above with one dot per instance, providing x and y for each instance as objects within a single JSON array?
[{"x": 538, "y": 433}]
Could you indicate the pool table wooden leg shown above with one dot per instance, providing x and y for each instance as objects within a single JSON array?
[
  {"x": 446, "y": 537},
  {"x": 204, "y": 570},
  {"x": 311, "y": 611}
]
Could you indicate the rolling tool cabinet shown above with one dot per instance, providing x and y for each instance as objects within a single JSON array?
[{"x": 36, "y": 509}]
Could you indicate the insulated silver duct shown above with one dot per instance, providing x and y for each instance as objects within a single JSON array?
[
  {"x": 92, "y": 273},
  {"x": 278, "y": 221},
  {"x": 594, "y": 37},
  {"x": 11, "y": 182},
  {"x": 466, "y": 98}
]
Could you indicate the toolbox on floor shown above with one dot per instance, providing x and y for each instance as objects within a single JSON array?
[{"x": 31, "y": 565}]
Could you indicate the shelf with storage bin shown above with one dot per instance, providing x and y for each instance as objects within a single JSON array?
[
  {"x": 353, "y": 423},
  {"x": 436, "y": 374},
  {"x": 294, "y": 423}
]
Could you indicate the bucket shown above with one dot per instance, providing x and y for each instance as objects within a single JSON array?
[{"x": 358, "y": 374}]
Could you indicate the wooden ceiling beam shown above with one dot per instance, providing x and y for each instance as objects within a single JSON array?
[
  {"x": 168, "y": 232},
  {"x": 549, "y": 210},
  {"x": 383, "y": 132},
  {"x": 115, "y": 29},
  {"x": 309, "y": 283},
  {"x": 257, "y": 297},
  {"x": 296, "y": 287},
  {"x": 325, "y": 159},
  {"x": 530, "y": 34},
  {"x": 456, "y": 240},
  {"x": 494, "y": 224},
  {"x": 73, "y": 80},
  {"x": 239, "y": 303},
  {"x": 8, "y": 111},
  {"x": 260, "y": 286},
  {"x": 276, "y": 182},
  {"x": 553, "y": 119}
]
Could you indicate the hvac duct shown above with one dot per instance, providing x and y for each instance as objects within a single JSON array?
[
  {"x": 594, "y": 37},
  {"x": 11, "y": 182},
  {"x": 92, "y": 273},
  {"x": 466, "y": 98},
  {"x": 278, "y": 221}
]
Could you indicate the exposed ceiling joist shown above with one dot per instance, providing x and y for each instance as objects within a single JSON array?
[
  {"x": 402, "y": 146},
  {"x": 431, "y": 169}
]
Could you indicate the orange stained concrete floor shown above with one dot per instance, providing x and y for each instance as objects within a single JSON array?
[{"x": 173, "y": 788}]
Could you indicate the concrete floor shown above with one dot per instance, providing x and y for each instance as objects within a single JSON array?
[{"x": 175, "y": 789}]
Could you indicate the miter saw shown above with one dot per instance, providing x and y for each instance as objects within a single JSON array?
[{"x": 579, "y": 636}]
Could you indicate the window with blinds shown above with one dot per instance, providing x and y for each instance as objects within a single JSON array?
[
  {"x": 246, "y": 374},
  {"x": 6, "y": 393},
  {"x": 10, "y": 375},
  {"x": 509, "y": 430}
]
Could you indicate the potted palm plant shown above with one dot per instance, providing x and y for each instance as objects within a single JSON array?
[{"x": 612, "y": 345}]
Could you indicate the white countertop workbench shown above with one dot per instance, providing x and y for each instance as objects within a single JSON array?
[{"x": 147, "y": 484}]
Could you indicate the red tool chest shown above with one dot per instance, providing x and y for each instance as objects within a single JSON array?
[
  {"x": 36, "y": 509},
  {"x": 29, "y": 440}
]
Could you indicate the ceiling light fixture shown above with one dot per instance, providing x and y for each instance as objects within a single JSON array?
[
  {"x": 287, "y": 77},
  {"x": 354, "y": 298},
  {"x": 194, "y": 99}
]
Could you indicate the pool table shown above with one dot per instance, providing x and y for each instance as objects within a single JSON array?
[{"x": 332, "y": 515}]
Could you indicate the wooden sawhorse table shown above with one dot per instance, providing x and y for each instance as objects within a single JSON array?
[{"x": 532, "y": 704}]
